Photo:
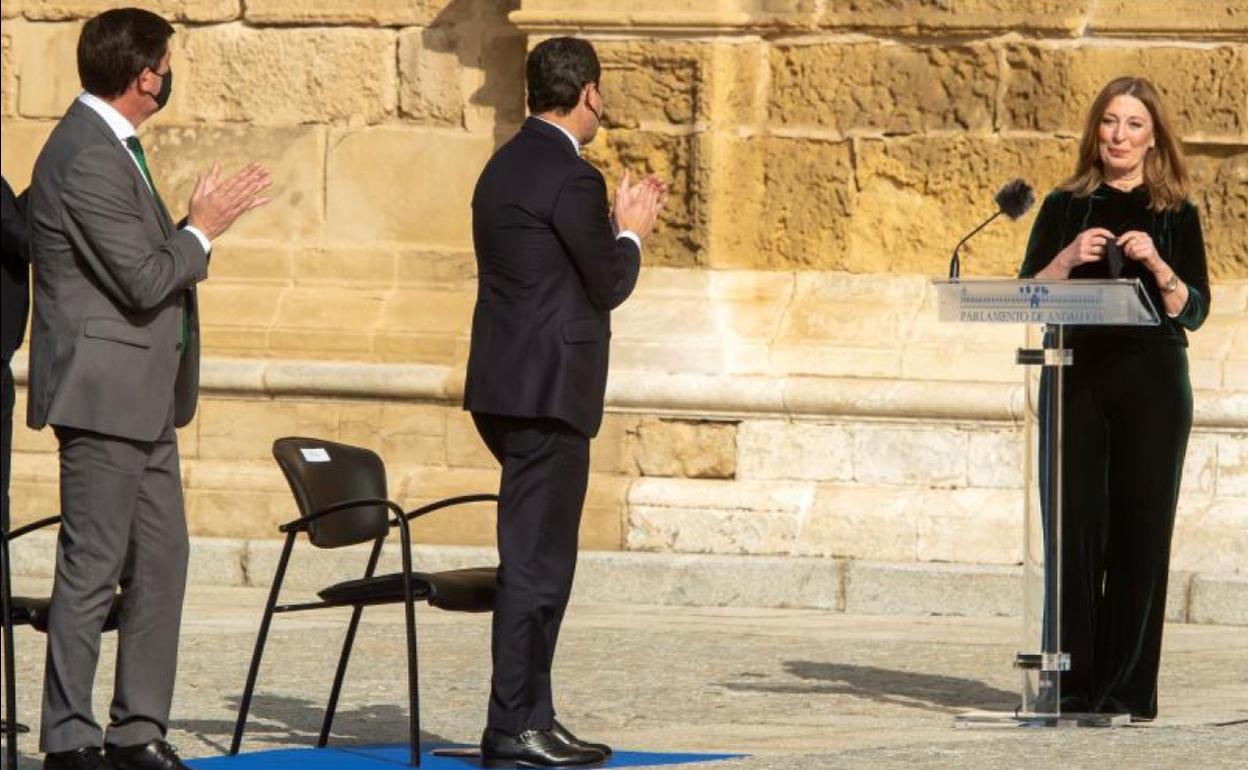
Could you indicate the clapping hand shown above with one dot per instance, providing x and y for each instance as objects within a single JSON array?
[
  {"x": 216, "y": 203},
  {"x": 637, "y": 204}
]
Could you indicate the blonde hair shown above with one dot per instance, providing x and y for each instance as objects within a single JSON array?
[{"x": 1165, "y": 174}]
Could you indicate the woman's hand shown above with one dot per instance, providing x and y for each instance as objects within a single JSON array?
[
  {"x": 1088, "y": 246},
  {"x": 1139, "y": 246}
]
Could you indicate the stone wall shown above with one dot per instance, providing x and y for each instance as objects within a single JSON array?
[{"x": 780, "y": 384}]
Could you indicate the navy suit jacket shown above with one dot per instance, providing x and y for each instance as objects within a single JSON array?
[
  {"x": 549, "y": 271},
  {"x": 14, "y": 270}
]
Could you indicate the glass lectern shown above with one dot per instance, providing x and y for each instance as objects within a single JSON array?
[{"x": 1046, "y": 308}]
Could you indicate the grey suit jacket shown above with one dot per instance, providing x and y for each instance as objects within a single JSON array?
[{"x": 111, "y": 275}]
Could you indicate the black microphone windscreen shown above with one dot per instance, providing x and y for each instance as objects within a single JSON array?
[{"x": 1015, "y": 198}]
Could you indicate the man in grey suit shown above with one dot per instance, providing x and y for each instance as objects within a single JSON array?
[{"x": 114, "y": 367}]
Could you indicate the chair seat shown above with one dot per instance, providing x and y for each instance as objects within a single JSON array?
[
  {"x": 460, "y": 590},
  {"x": 33, "y": 611}
]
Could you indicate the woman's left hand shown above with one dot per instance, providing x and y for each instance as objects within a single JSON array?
[{"x": 1139, "y": 246}]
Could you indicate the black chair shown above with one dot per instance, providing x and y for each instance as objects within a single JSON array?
[
  {"x": 25, "y": 611},
  {"x": 341, "y": 494}
]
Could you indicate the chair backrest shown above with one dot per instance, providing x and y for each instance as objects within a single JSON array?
[{"x": 322, "y": 473}]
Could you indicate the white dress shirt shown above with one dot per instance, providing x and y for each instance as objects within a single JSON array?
[
  {"x": 124, "y": 130},
  {"x": 576, "y": 145}
]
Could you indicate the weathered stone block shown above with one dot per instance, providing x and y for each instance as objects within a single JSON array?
[
  {"x": 225, "y": 304},
  {"x": 429, "y": 311},
  {"x": 889, "y": 88},
  {"x": 411, "y": 434},
  {"x": 12, "y": 9},
  {"x": 346, "y": 264},
  {"x": 494, "y": 86},
  {"x": 396, "y": 184},
  {"x": 453, "y": 268},
  {"x": 995, "y": 459},
  {"x": 708, "y": 580},
  {"x": 216, "y": 561},
  {"x": 646, "y": 81},
  {"x": 927, "y": 17},
  {"x": 242, "y": 429},
  {"x": 910, "y": 455},
  {"x": 797, "y": 217},
  {"x": 294, "y": 156},
  {"x": 1200, "y": 465},
  {"x": 841, "y": 311},
  {"x": 235, "y": 260},
  {"x": 8, "y": 72},
  {"x": 1170, "y": 18},
  {"x": 1210, "y": 534},
  {"x": 23, "y": 140},
  {"x": 685, "y": 449},
  {"x": 1220, "y": 599},
  {"x": 1233, "y": 465},
  {"x": 240, "y": 73},
  {"x": 913, "y": 193},
  {"x": 931, "y": 589},
  {"x": 170, "y": 10},
  {"x": 611, "y": 451},
  {"x": 358, "y": 12},
  {"x": 430, "y": 75},
  {"x": 775, "y": 449},
  {"x": 1051, "y": 88},
  {"x": 232, "y": 497},
  {"x": 908, "y": 523},
  {"x": 681, "y": 233},
  {"x": 1219, "y": 182},
  {"x": 328, "y": 321},
  {"x": 716, "y": 517},
  {"x": 45, "y": 59}
]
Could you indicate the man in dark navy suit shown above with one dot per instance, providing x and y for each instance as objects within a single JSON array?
[
  {"x": 14, "y": 302},
  {"x": 553, "y": 261}
]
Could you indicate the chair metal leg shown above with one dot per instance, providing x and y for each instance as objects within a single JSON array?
[
  {"x": 254, "y": 670},
  {"x": 345, "y": 655},
  {"x": 10, "y": 675},
  {"x": 409, "y": 610}
]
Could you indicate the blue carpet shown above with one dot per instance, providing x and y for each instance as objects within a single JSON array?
[{"x": 387, "y": 757}]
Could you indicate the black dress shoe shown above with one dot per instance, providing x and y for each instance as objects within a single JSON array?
[
  {"x": 89, "y": 758},
  {"x": 565, "y": 735},
  {"x": 533, "y": 748},
  {"x": 154, "y": 755}
]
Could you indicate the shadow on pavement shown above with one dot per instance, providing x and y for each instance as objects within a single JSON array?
[
  {"x": 286, "y": 721},
  {"x": 931, "y": 692}
]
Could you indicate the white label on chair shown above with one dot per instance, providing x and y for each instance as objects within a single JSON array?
[{"x": 315, "y": 454}]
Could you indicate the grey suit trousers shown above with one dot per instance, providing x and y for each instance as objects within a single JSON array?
[{"x": 123, "y": 525}]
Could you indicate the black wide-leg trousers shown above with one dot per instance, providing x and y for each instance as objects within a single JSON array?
[
  {"x": 545, "y": 471},
  {"x": 1127, "y": 417}
]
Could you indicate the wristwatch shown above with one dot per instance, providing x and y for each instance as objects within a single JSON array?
[{"x": 1172, "y": 285}]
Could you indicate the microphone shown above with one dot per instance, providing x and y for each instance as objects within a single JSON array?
[{"x": 1013, "y": 200}]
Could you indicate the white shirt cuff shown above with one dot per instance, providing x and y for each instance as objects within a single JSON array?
[
  {"x": 203, "y": 239},
  {"x": 632, "y": 236}
]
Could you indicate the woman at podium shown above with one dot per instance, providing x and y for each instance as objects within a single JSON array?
[{"x": 1127, "y": 398}]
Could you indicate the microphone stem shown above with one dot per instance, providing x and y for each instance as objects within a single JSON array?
[{"x": 954, "y": 264}]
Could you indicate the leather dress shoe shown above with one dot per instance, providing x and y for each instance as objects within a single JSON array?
[
  {"x": 565, "y": 735},
  {"x": 533, "y": 748},
  {"x": 88, "y": 758},
  {"x": 153, "y": 755}
]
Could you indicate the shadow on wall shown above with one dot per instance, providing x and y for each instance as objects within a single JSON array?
[
  {"x": 930, "y": 692},
  {"x": 469, "y": 70}
]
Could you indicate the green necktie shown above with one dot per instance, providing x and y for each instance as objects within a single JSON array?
[{"x": 136, "y": 149}]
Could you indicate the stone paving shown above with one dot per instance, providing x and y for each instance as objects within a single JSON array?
[{"x": 791, "y": 688}]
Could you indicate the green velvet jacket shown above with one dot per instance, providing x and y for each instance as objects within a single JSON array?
[{"x": 1176, "y": 234}]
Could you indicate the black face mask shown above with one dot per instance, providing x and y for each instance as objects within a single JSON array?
[{"x": 166, "y": 88}]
